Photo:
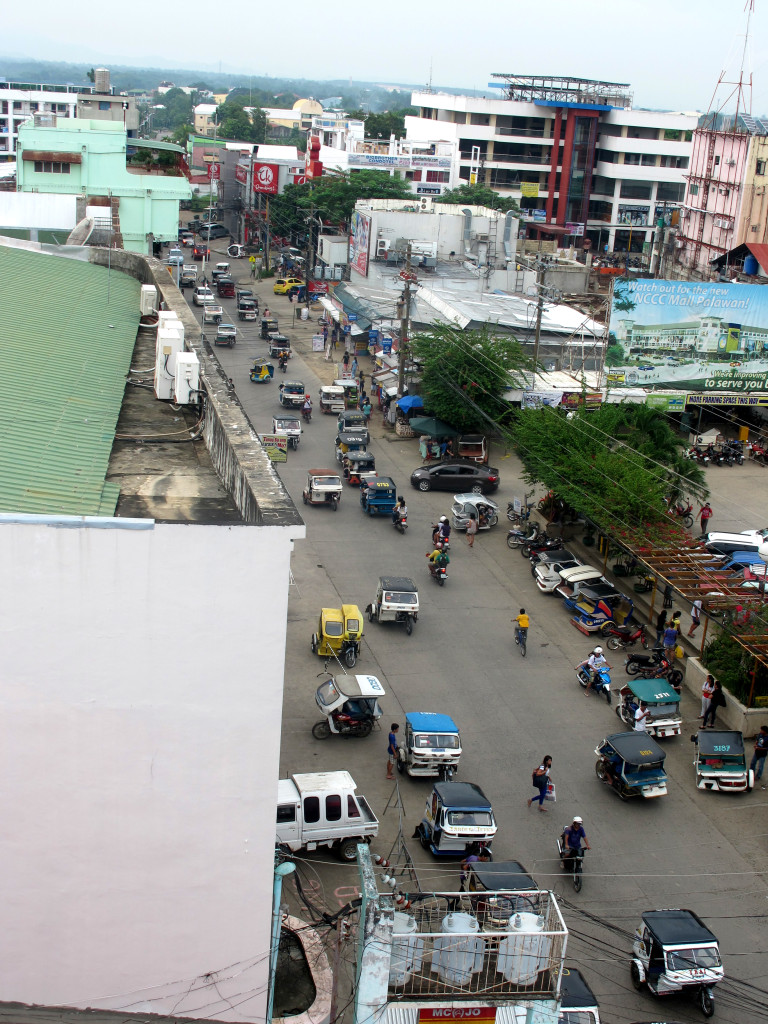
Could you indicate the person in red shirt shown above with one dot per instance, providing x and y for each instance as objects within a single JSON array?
[{"x": 706, "y": 515}]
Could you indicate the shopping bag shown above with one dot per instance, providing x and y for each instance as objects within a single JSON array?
[
  {"x": 679, "y": 652},
  {"x": 551, "y": 794}
]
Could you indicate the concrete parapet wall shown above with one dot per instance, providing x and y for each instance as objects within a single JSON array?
[{"x": 236, "y": 452}]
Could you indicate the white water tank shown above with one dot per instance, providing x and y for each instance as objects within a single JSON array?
[
  {"x": 407, "y": 950},
  {"x": 524, "y": 954},
  {"x": 101, "y": 81},
  {"x": 457, "y": 955}
]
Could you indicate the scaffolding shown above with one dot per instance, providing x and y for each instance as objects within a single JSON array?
[{"x": 555, "y": 90}]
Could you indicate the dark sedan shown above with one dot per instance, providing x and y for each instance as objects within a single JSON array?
[{"x": 456, "y": 477}]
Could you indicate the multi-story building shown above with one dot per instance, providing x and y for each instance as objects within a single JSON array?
[
  {"x": 573, "y": 152},
  {"x": 725, "y": 202},
  {"x": 430, "y": 165},
  {"x": 102, "y": 104},
  {"x": 138, "y": 195},
  {"x": 20, "y": 101},
  {"x": 205, "y": 118}
]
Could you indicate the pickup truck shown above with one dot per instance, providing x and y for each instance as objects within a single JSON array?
[{"x": 322, "y": 809}]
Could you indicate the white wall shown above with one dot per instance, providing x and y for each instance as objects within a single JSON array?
[{"x": 140, "y": 709}]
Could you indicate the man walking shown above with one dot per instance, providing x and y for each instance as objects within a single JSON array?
[
  {"x": 392, "y": 749},
  {"x": 695, "y": 617},
  {"x": 761, "y": 749},
  {"x": 706, "y": 515}
]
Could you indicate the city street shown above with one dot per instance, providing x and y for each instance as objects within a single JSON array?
[{"x": 689, "y": 849}]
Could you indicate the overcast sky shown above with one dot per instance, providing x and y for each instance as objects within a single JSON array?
[{"x": 671, "y": 52}]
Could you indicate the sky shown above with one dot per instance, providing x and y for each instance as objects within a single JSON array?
[{"x": 671, "y": 52}]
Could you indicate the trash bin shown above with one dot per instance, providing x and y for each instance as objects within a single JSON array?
[{"x": 305, "y": 313}]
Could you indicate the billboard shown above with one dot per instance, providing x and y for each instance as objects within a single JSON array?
[
  {"x": 690, "y": 336},
  {"x": 361, "y": 238},
  {"x": 265, "y": 178},
  {"x": 241, "y": 174}
]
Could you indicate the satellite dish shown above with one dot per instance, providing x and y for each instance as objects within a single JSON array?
[{"x": 81, "y": 232}]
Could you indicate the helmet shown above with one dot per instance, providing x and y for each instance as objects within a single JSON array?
[
  {"x": 577, "y": 820},
  {"x": 443, "y": 519},
  {"x": 400, "y": 497},
  {"x": 598, "y": 650}
]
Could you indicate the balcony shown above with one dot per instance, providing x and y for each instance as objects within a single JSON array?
[{"x": 524, "y": 133}]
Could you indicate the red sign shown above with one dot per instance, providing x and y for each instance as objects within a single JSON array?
[
  {"x": 299, "y": 179},
  {"x": 214, "y": 172},
  {"x": 470, "y": 1013},
  {"x": 241, "y": 174},
  {"x": 314, "y": 168},
  {"x": 265, "y": 178}
]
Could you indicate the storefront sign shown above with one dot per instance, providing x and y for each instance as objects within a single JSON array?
[
  {"x": 265, "y": 178},
  {"x": 241, "y": 174},
  {"x": 361, "y": 232},
  {"x": 214, "y": 172},
  {"x": 574, "y": 229},
  {"x": 428, "y": 190},
  {"x": 726, "y": 399},
  {"x": 634, "y": 216},
  {"x": 473, "y": 1013},
  {"x": 666, "y": 403},
  {"x": 377, "y": 160}
]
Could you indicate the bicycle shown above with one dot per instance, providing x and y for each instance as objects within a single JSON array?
[
  {"x": 521, "y": 637},
  {"x": 575, "y": 864}
]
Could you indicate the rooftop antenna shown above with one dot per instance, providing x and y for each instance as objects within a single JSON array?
[
  {"x": 742, "y": 87},
  {"x": 429, "y": 83}
]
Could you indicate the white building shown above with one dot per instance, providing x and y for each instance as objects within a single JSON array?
[
  {"x": 19, "y": 102},
  {"x": 430, "y": 165},
  {"x": 574, "y": 153}
]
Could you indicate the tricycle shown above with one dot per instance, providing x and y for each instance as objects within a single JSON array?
[
  {"x": 349, "y": 441},
  {"x": 485, "y": 511},
  {"x": 721, "y": 762},
  {"x": 279, "y": 345},
  {"x": 351, "y": 392},
  {"x": 350, "y": 706},
  {"x": 397, "y": 599},
  {"x": 247, "y": 310},
  {"x": 378, "y": 495},
  {"x": 355, "y": 464},
  {"x": 268, "y": 326},
  {"x": 674, "y": 950},
  {"x": 331, "y": 399},
  {"x": 458, "y": 816},
  {"x": 351, "y": 419},
  {"x": 220, "y": 270},
  {"x": 472, "y": 446},
  {"x": 225, "y": 287},
  {"x": 262, "y": 372},
  {"x": 323, "y": 488},
  {"x": 338, "y": 633},
  {"x": 663, "y": 704},
  {"x": 226, "y": 334},
  {"x": 291, "y": 394},
  {"x": 290, "y": 426},
  {"x": 633, "y": 764},
  {"x": 597, "y": 603},
  {"x": 432, "y": 745}
]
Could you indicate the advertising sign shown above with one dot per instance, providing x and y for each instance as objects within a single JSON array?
[
  {"x": 634, "y": 216},
  {"x": 666, "y": 402},
  {"x": 276, "y": 446},
  {"x": 265, "y": 178},
  {"x": 469, "y": 1013},
  {"x": 428, "y": 190},
  {"x": 214, "y": 172},
  {"x": 361, "y": 239},
  {"x": 691, "y": 336},
  {"x": 574, "y": 228},
  {"x": 241, "y": 174}
]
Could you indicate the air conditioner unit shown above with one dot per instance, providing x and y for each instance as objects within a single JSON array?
[
  {"x": 755, "y": 228},
  {"x": 723, "y": 223},
  {"x": 731, "y": 163}
]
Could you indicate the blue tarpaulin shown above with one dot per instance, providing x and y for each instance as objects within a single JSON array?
[{"x": 408, "y": 402}]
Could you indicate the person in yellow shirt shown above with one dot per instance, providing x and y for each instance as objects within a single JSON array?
[{"x": 523, "y": 622}]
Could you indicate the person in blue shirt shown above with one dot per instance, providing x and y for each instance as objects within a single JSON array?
[
  {"x": 572, "y": 837},
  {"x": 392, "y": 749}
]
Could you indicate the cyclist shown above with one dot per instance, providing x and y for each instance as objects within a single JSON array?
[
  {"x": 523, "y": 622},
  {"x": 571, "y": 840}
]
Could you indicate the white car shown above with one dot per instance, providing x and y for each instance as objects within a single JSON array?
[
  {"x": 759, "y": 535},
  {"x": 547, "y": 573},
  {"x": 212, "y": 314},
  {"x": 202, "y": 295}
]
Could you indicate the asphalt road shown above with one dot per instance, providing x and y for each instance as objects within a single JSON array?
[{"x": 690, "y": 849}]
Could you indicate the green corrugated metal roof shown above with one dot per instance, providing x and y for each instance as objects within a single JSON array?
[{"x": 64, "y": 356}]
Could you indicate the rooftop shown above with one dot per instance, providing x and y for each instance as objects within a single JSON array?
[{"x": 559, "y": 90}]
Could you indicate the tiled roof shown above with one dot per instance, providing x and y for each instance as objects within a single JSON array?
[{"x": 67, "y": 332}]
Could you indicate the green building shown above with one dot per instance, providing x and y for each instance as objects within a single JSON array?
[{"x": 132, "y": 187}]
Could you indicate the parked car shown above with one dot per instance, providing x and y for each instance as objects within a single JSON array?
[
  {"x": 209, "y": 231},
  {"x": 202, "y": 295},
  {"x": 725, "y": 543},
  {"x": 284, "y": 284},
  {"x": 546, "y": 572},
  {"x": 456, "y": 477}
]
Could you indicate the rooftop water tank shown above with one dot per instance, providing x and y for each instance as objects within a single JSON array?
[
  {"x": 101, "y": 80},
  {"x": 407, "y": 950},
  {"x": 524, "y": 954},
  {"x": 457, "y": 955},
  {"x": 751, "y": 265}
]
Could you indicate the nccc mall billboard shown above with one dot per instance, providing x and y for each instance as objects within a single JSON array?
[
  {"x": 265, "y": 178},
  {"x": 690, "y": 337}
]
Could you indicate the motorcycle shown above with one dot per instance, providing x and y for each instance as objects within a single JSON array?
[
  {"x": 684, "y": 512},
  {"x": 540, "y": 544},
  {"x": 602, "y": 682},
  {"x": 519, "y": 517},
  {"x": 439, "y": 539},
  {"x": 439, "y": 573},
  {"x": 516, "y": 538},
  {"x": 400, "y": 522},
  {"x": 622, "y": 637},
  {"x": 283, "y": 363},
  {"x": 306, "y": 414},
  {"x": 573, "y": 862},
  {"x": 636, "y": 663}
]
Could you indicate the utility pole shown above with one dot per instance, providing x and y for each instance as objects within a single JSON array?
[
  {"x": 539, "y": 315},
  {"x": 409, "y": 277},
  {"x": 266, "y": 235}
]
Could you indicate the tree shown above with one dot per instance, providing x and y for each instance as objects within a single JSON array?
[
  {"x": 176, "y": 110},
  {"x": 236, "y": 123},
  {"x": 615, "y": 465},
  {"x": 614, "y": 355},
  {"x": 334, "y": 195},
  {"x": 91, "y": 75},
  {"x": 465, "y": 374},
  {"x": 386, "y": 124},
  {"x": 478, "y": 195}
]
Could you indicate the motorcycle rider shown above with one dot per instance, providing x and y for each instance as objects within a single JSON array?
[
  {"x": 438, "y": 559},
  {"x": 523, "y": 622},
  {"x": 400, "y": 511},
  {"x": 571, "y": 840},
  {"x": 306, "y": 409},
  {"x": 282, "y": 360},
  {"x": 441, "y": 533},
  {"x": 593, "y": 663}
]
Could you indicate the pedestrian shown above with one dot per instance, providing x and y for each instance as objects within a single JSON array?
[
  {"x": 761, "y": 749},
  {"x": 291, "y": 293},
  {"x": 471, "y": 529},
  {"x": 335, "y": 336},
  {"x": 362, "y": 381},
  {"x": 642, "y": 714},
  {"x": 670, "y": 642},
  {"x": 676, "y": 617},
  {"x": 706, "y": 694},
  {"x": 325, "y": 334},
  {"x": 267, "y": 314},
  {"x": 717, "y": 700},
  {"x": 253, "y": 270},
  {"x": 540, "y": 780},
  {"x": 354, "y": 366},
  {"x": 392, "y": 749},
  {"x": 695, "y": 617},
  {"x": 706, "y": 515},
  {"x": 366, "y": 410},
  {"x": 661, "y": 625},
  {"x": 477, "y": 853},
  {"x": 345, "y": 360}
]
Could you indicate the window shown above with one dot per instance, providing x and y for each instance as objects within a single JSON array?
[
  {"x": 51, "y": 167},
  {"x": 480, "y": 119},
  {"x": 353, "y": 811},
  {"x": 636, "y": 189},
  {"x": 760, "y": 167},
  {"x": 614, "y": 130},
  {"x": 672, "y": 191},
  {"x": 333, "y": 807},
  {"x": 311, "y": 809},
  {"x": 694, "y": 190},
  {"x": 674, "y": 135},
  {"x": 717, "y": 160},
  {"x": 631, "y": 158},
  {"x": 648, "y": 159},
  {"x": 104, "y": 105},
  {"x": 285, "y": 813},
  {"x": 607, "y": 156},
  {"x": 441, "y": 176},
  {"x": 16, "y": 105}
]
